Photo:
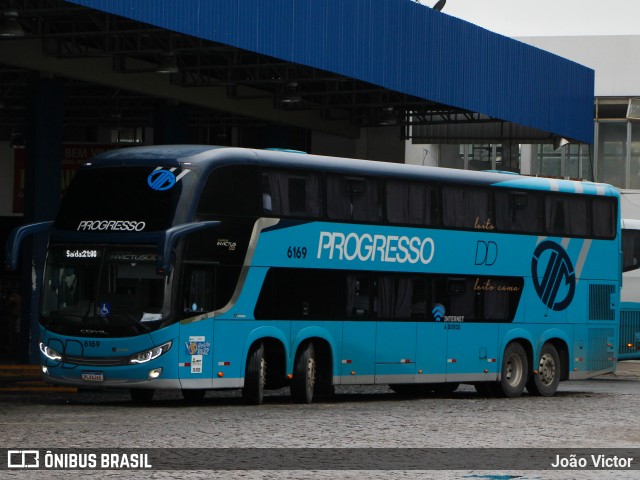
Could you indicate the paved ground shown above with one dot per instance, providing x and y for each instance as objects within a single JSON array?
[{"x": 599, "y": 413}]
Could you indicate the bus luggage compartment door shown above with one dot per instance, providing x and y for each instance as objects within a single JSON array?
[{"x": 395, "y": 352}]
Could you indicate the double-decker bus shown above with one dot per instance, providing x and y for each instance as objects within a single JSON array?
[{"x": 198, "y": 267}]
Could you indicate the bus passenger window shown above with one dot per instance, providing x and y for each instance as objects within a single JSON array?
[
  {"x": 358, "y": 295},
  {"x": 518, "y": 212},
  {"x": 291, "y": 194},
  {"x": 603, "y": 217},
  {"x": 631, "y": 249},
  {"x": 350, "y": 198},
  {"x": 231, "y": 190},
  {"x": 567, "y": 216},
  {"x": 465, "y": 207},
  {"x": 409, "y": 203}
]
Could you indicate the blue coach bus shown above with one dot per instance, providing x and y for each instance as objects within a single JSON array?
[{"x": 198, "y": 268}]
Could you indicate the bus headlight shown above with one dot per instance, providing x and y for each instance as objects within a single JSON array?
[
  {"x": 152, "y": 353},
  {"x": 50, "y": 353}
]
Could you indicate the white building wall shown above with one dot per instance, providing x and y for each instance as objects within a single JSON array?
[{"x": 614, "y": 59}]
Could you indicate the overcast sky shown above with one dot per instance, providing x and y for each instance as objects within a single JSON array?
[{"x": 518, "y": 18}]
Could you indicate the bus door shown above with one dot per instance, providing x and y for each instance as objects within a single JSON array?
[
  {"x": 396, "y": 308},
  {"x": 196, "y": 337},
  {"x": 358, "y": 332}
]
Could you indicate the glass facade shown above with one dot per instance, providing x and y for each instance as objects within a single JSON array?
[{"x": 614, "y": 157}]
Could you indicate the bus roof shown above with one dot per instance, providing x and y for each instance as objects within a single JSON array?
[{"x": 206, "y": 158}]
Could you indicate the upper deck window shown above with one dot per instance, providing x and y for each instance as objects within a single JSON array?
[
  {"x": 603, "y": 213},
  {"x": 518, "y": 212},
  {"x": 353, "y": 198},
  {"x": 467, "y": 207},
  {"x": 410, "y": 203},
  {"x": 231, "y": 190},
  {"x": 296, "y": 194},
  {"x": 567, "y": 215}
]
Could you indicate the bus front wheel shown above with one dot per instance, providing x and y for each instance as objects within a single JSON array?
[
  {"x": 545, "y": 380},
  {"x": 304, "y": 376},
  {"x": 255, "y": 376},
  {"x": 515, "y": 370}
]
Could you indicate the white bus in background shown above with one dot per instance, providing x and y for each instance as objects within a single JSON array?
[{"x": 629, "y": 342}]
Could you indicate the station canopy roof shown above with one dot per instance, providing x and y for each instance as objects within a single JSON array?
[{"x": 326, "y": 65}]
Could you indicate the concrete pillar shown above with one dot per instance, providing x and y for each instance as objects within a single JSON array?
[{"x": 43, "y": 169}]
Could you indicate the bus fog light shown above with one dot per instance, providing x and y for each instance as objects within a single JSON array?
[
  {"x": 155, "y": 373},
  {"x": 45, "y": 370}
]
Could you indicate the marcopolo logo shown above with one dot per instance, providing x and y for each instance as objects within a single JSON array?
[
  {"x": 554, "y": 277},
  {"x": 161, "y": 179}
]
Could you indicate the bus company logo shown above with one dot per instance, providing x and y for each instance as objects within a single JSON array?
[
  {"x": 438, "y": 312},
  {"x": 554, "y": 277},
  {"x": 375, "y": 248},
  {"x": 161, "y": 179}
]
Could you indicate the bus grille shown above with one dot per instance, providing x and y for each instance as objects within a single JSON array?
[
  {"x": 600, "y": 354},
  {"x": 96, "y": 361},
  {"x": 600, "y": 302},
  {"x": 629, "y": 334}
]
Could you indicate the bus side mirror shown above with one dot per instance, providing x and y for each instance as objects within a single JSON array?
[
  {"x": 169, "y": 239},
  {"x": 17, "y": 236}
]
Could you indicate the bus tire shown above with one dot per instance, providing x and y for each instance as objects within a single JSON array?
[
  {"x": 304, "y": 376},
  {"x": 141, "y": 395},
  {"x": 515, "y": 370},
  {"x": 193, "y": 395},
  {"x": 255, "y": 376},
  {"x": 545, "y": 382}
]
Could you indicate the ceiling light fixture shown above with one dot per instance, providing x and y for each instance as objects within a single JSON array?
[
  {"x": 10, "y": 26},
  {"x": 291, "y": 94},
  {"x": 388, "y": 117},
  {"x": 168, "y": 64}
]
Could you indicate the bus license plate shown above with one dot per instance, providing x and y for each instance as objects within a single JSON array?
[{"x": 93, "y": 376}]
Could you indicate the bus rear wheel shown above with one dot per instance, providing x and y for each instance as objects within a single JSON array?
[
  {"x": 515, "y": 370},
  {"x": 545, "y": 381},
  {"x": 255, "y": 376},
  {"x": 304, "y": 376}
]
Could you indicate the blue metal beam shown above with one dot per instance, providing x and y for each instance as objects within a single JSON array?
[{"x": 397, "y": 44}]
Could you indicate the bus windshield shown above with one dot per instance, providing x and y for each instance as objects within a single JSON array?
[
  {"x": 95, "y": 201},
  {"x": 112, "y": 292}
]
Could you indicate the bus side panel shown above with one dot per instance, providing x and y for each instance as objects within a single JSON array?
[
  {"x": 431, "y": 352},
  {"x": 472, "y": 351},
  {"x": 196, "y": 354},
  {"x": 357, "y": 360},
  {"x": 395, "y": 352}
]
